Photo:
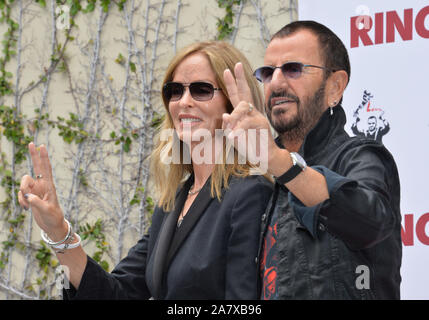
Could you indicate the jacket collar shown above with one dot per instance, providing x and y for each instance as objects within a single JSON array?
[
  {"x": 324, "y": 135},
  {"x": 196, "y": 210},
  {"x": 170, "y": 237}
]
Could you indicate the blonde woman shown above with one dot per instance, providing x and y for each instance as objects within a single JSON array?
[{"x": 204, "y": 236}]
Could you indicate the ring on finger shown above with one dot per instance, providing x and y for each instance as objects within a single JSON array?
[
  {"x": 250, "y": 108},
  {"x": 39, "y": 176}
]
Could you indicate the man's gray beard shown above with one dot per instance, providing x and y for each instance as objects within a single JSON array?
[{"x": 308, "y": 115}]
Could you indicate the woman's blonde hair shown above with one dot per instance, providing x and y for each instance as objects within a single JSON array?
[{"x": 169, "y": 177}]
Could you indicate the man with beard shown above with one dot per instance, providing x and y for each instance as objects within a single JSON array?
[{"x": 335, "y": 210}]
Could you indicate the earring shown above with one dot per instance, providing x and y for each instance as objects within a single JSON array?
[{"x": 333, "y": 104}]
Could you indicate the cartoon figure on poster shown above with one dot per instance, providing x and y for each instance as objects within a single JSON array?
[{"x": 376, "y": 125}]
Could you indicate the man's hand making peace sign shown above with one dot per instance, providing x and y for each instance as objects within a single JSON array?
[
  {"x": 244, "y": 118},
  {"x": 310, "y": 186}
]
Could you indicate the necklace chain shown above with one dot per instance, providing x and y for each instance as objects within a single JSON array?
[
  {"x": 191, "y": 193},
  {"x": 179, "y": 222}
]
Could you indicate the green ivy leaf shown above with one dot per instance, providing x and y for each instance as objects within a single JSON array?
[
  {"x": 90, "y": 7},
  {"x": 105, "y": 265},
  {"x": 42, "y": 3}
]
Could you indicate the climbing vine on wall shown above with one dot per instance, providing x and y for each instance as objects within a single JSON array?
[
  {"x": 225, "y": 24},
  {"x": 19, "y": 130}
]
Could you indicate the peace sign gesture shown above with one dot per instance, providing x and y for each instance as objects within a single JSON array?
[
  {"x": 245, "y": 118},
  {"x": 40, "y": 194}
]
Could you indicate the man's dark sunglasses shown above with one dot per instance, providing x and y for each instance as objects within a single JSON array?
[
  {"x": 289, "y": 69},
  {"x": 200, "y": 91}
]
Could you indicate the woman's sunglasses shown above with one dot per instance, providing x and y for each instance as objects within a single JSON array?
[
  {"x": 200, "y": 91},
  {"x": 292, "y": 70}
]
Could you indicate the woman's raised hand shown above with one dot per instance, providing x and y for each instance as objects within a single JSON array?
[{"x": 39, "y": 194}]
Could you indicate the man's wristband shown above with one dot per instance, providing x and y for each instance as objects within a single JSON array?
[{"x": 298, "y": 165}]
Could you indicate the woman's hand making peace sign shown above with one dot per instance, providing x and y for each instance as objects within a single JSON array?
[{"x": 40, "y": 194}]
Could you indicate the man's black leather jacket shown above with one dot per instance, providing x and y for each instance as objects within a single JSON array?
[{"x": 349, "y": 246}]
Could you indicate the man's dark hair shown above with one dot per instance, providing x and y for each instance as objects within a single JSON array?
[{"x": 332, "y": 48}]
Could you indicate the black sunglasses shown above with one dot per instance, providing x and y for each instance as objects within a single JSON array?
[
  {"x": 289, "y": 69},
  {"x": 200, "y": 91}
]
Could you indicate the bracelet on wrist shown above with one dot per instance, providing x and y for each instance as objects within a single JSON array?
[
  {"x": 51, "y": 243},
  {"x": 66, "y": 243}
]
